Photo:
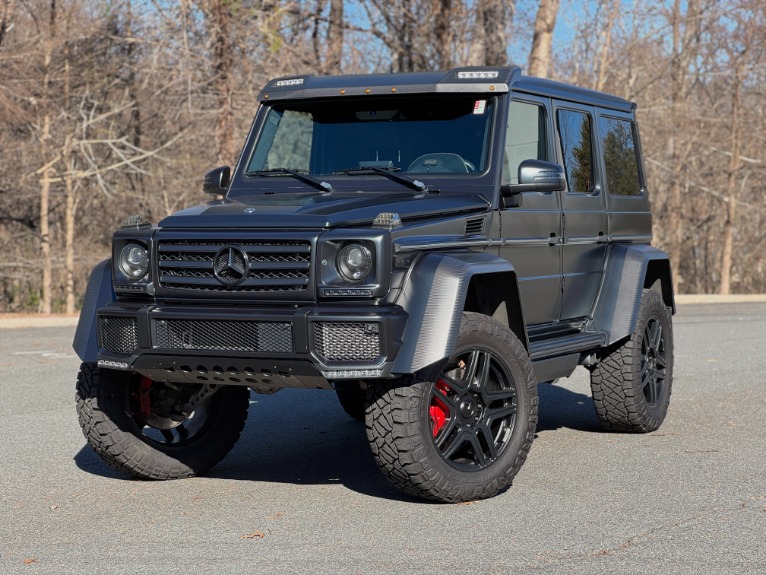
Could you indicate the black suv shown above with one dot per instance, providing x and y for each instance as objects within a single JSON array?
[{"x": 430, "y": 246}]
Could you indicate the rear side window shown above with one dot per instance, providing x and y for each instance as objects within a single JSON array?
[
  {"x": 576, "y": 134},
  {"x": 620, "y": 160}
]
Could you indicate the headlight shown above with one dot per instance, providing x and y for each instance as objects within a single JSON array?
[
  {"x": 354, "y": 262},
  {"x": 134, "y": 261}
]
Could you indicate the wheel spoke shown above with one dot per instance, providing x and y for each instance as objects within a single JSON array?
[
  {"x": 500, "y": 412},
  {"x": 472, "y": 367},
  {"x": 450, "y": 448},
  {"x": 656, "y": 335},
  {"x": 484, "y": 431},
  {"x": 480, "y": 457},
  {"x": 168, "y": 435},
  {"x": 441, "y": 440}
]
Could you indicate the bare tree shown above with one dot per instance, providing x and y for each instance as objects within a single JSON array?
[{"x": 540, "y": 57}]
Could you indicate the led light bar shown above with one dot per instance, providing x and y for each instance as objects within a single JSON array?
[
  {"x": 290, "y": 82},
  {"x": 352, "y": 373},
  {"x": 346, "y": 292},
  {"x": 478, "y": 75},
  {"x": 112, "y": 364}
]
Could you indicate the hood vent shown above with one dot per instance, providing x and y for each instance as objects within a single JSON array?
[{"x": 474, "y": 226}]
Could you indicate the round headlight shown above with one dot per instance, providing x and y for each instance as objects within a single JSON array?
[
  {"x": 354, "y": 262},
  {"x": 134, "y": 261}
]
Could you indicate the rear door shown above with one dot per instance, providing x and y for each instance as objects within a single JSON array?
[{"x": 584, "y": 219}]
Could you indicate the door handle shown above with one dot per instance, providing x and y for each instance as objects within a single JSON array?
[
  {"x": 553, "y": 239},
  {"x": 602, "y": 238}
]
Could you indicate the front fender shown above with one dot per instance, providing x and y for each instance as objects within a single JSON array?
[
  {"x": 98, "y": 293},
  {"x": 433, "y": 297}
]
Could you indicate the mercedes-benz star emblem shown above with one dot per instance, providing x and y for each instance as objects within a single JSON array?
[{"x": 230, "y": 265}]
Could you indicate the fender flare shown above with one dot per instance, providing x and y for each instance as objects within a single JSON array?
[
  {"x": 630, "y": 268},
  {"x": 433, "y": 297},
  {"x": 98, "y": 293}
]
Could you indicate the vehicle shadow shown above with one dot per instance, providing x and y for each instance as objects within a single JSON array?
[
  {"x": 304, "y": 438},
  {"x": 563, "y": 408}
]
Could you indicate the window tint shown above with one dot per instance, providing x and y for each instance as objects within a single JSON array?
[
  {"x": 525, "y": 139},
  {"x": 620, "y": 158},
  {"x": 575, "y": 133},
  {"x": 434, "y": 135}
]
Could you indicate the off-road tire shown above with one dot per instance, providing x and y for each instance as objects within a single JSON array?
[
  {"x": 352, "y": 399},
  {"x": 104, "y": 412},
  {"x": 632, "y": 384},
  {"x": 403, "y": 434}
]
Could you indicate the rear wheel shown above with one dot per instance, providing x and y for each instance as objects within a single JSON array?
[
  {"x": 155, "y": 430},
  {"x": 460, "y": 433},
  {"x": 631, "y": 386}
]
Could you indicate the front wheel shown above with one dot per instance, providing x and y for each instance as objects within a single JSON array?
[
  {"x": 460, "y": 433},
  {"x": 136, "y": 425}
]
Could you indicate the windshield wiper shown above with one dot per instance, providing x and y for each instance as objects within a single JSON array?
[
  {"x": 389, "y": 173},
  {"x": 297, "y": 174}
]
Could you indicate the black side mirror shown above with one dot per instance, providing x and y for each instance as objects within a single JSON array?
[
  {"x": 217, "y": 181},
  {"x": 537, "y": 176}
]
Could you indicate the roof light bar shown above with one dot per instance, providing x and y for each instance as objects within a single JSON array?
[
  {"x": 289, "y": 82},
  {"x": 478, "y": 75}
]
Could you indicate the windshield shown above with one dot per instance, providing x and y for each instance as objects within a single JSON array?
[{"x": 437, "y": 134}]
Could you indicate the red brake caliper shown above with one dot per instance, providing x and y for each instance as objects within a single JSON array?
[
  {"x": 438, "y": 410},
  {"x": 142, "y": 400}
]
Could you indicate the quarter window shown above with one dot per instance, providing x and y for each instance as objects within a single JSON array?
[
  {"x": 620, "y": 160},
  {"x": 575, "y": 133}
]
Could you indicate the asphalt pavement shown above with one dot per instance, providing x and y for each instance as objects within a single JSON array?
[{"x": 301, "y": 494}]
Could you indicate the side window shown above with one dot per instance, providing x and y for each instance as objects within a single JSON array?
[
  {"x": 620, "y": 160},
  {"x": 525, "y": 138},
  {"x": 575, "y": 132}
]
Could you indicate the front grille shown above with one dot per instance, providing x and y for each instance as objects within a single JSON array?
[
  {"x": 347, "y": 341},
  {"x": 273, "y": 265},
  {"x": 118, "y": 334},
  {"x": 222, "y": 335}
]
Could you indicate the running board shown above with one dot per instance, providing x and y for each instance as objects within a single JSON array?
[
  {"x": 559, "y": 356},
  {"x": 565, "y": 345}
]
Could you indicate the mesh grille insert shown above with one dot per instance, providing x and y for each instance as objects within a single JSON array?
[
  {"x": 347, "y": 341},
  {"x": 222, "y": 335},
  {"x": 118, "y": 334}
]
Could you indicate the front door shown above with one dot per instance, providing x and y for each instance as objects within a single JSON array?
[{"x": 531, "y": 232}]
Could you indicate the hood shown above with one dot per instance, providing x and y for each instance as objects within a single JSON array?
[{"x": 321, "y": 211}]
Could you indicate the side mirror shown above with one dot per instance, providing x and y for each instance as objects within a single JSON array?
[
  {"x": 537, "y": 176},
  {"x": 217, "y": 181}
]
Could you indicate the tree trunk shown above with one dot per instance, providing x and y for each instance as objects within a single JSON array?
[
  {"x": 442, "y": 10},
  {"x": 542, "y": 42},
  {"x": 735, "y": 163},
  {"x": 219, "y": 16},
  {"x": 69, "y": 225},
  {"x": 603, "y": 61},
  {"x": 489, "y": 41},
  {"x": 334, "y": 54},
  {"x": 6, "y": 13}
]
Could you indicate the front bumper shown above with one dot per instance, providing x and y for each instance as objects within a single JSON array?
[{"x": 264, "y": 348}]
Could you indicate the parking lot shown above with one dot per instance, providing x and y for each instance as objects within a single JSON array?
[{"x": 301, "y": 494}]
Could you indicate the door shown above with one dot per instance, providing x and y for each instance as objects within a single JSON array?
[
  {"x": 584, "y": 220},
  {"x": 531, "y": 232}
]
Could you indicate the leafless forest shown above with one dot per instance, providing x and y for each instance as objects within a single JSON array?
[{"x": 116, "y": 107}]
